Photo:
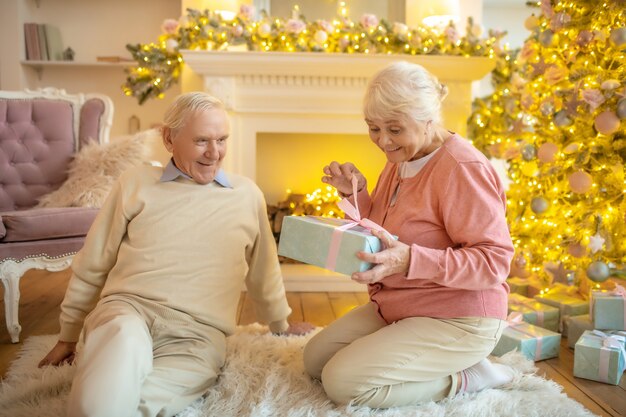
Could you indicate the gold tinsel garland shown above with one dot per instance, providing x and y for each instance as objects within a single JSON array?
[{"x": 159, "y": 64}]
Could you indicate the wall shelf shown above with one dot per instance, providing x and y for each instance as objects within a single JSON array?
[{"x": 39, "y": 66}]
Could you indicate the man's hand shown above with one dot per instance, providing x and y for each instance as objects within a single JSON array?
[
  {"x": 62, "y": 352},
  {"x": 298, "y": 329},
  {"x": 394, "y": 259}
]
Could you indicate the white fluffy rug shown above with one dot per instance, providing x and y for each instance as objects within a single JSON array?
[{"x": 264, "y": 376}]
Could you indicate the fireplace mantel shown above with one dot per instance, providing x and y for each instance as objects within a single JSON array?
[
  {"x": 307, "y": 92},
  {"x": 318, "y": 93}
]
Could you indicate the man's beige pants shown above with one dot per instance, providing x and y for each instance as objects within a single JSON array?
[
  {"x": 141, "y": 359},
  {"x": 362, "y": 360}
]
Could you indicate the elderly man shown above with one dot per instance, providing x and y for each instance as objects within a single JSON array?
[{"x": 156, "y": 286}]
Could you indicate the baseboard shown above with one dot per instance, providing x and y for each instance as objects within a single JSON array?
[{"x": 308, "y": 278}]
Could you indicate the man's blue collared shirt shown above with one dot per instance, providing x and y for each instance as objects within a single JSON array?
[{"x": 171, "y": 172}]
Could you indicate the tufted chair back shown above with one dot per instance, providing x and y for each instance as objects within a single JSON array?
[
  {"x": 40, "y": 132},
  {"x": 37, "y": 141}
]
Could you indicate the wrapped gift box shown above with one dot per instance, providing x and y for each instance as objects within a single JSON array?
[
  {"x": 576, "y": 327},
  {"x": 608, "y": 310},
  {"x": 534, "y": 342},
  {"x": 600, "y": 357},
  {"x": 524, "y": 286},
  {"x": 534, "y": 312},
  {"x": 309, "y": 239},
  {"x": 568, "y": 306},
  {"x": 518, "y": 286}
]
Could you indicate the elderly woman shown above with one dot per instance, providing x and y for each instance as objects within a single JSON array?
[{"x": 438, "y": 292}]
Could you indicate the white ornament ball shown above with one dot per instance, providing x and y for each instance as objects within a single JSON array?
[
  {"x": 607, "y": 123},
  {"x": 171, "y": 45},
  {"x": 598, "y": 271},
  {"x": 580, "y": 182},
  {"x": 539, "y": 205},
  {"x": 618, "y": 37},
  {"x": 321, "y": 36},
  {"x": 264, "y": 30}
]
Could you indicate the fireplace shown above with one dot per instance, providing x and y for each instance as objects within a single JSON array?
[{"x": 310, "y": 95}]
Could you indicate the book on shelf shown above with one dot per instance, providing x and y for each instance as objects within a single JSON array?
[
  {"x": 54, "y": 42},
  {"x": 43, "y": 42},
  {"x": 31, "y": 38}
]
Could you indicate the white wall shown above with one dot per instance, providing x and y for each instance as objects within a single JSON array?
[{"x": 91, "y": 29}]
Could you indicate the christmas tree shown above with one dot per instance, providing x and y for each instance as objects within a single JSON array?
[{"x": 557, "y": 116}]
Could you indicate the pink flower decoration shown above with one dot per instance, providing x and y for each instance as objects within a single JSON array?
[
  {"x": 295, "y": 26},
  {"x": 559, "y": 21},
  {"x": 246, "y": 11},
  {"x": 528, "y": 51},
  {"x": 169, "y": 26},
  {"x": 326, "y": 26},
  {"x": 369, "y": 21},
  {"x": 546, "y": 8},
  {"x": 593, "y": 97},
  {"x": 554, "y": 74},
  {"x": 452, "y": 34}
]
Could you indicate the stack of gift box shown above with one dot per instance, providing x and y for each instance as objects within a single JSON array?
[
  {"x": 537, "y": 318},
  {"x": 600, "y": 352},
  {"x": 596, "y": 328}
]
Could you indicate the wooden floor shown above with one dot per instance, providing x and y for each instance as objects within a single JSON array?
[{"x": 43, "y": 291}]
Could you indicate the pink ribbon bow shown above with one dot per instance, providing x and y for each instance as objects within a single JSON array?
[
  {"x": 351, "y": 211},
  {"x": 515, "y": 321},
  {"x": 609, "y": 343}
]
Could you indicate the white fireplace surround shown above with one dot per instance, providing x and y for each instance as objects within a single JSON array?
[{"x": 307, "y": 92}]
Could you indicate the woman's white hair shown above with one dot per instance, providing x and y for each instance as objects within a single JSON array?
[
  {"x": 404, "y": 89},
  {"x": 186, "y": 104}
]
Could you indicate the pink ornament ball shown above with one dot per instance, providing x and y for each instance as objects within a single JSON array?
[
  {"x": 547, "y": 152},
  {"x": 577, "y": 250},
  {"x": 580, "y": 182},
  {"x": 607, "y": 123}
]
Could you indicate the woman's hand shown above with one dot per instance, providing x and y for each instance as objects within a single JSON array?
[
  {"x": 340, "y": 176},
  {"x": 62, "y": 352},
  {"x": 394, "y": 259}
]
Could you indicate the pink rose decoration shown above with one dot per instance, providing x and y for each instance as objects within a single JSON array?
[
  {"x": 528, "y": 52},
  {"x": 237, "y": 31},
  {"x": 400, "y": 28},
  {"x": 295, "y": 26},
  {"x": 554, "y": 74},
  {"x": 546, "y": 8},
  {"x": 169, "y": 26},
  {"x": 246, "y": 11},
  {"x": 593, "y": 97},
  {"x": 369, "y": 21},
  {"x": 452, "y": 34},
  {"x": 559, "y": 21},
  {"x": 326, "y": 26}
]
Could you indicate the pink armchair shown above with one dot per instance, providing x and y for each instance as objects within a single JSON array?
[{"x": 40, "y": 131}]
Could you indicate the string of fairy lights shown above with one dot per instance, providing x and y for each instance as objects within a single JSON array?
[
  {"x": 557, "y": 116},
  {"x": 159, "y": 63}
]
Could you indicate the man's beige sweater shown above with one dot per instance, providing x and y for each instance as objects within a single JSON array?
[{"x": 183, "y": 245}]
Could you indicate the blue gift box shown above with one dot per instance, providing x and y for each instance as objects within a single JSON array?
[
  {"x": 308, "y": 239},
  {"x": 598, "y": 360},
  {"x": 534, "y": 312},
  {"x": 576, "y": 327},
  {"x": 608, "y": 310},
  {"x": 534, "y": 342}
]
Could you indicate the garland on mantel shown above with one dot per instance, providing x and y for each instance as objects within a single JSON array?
[{"x": 159, "y": 64}]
